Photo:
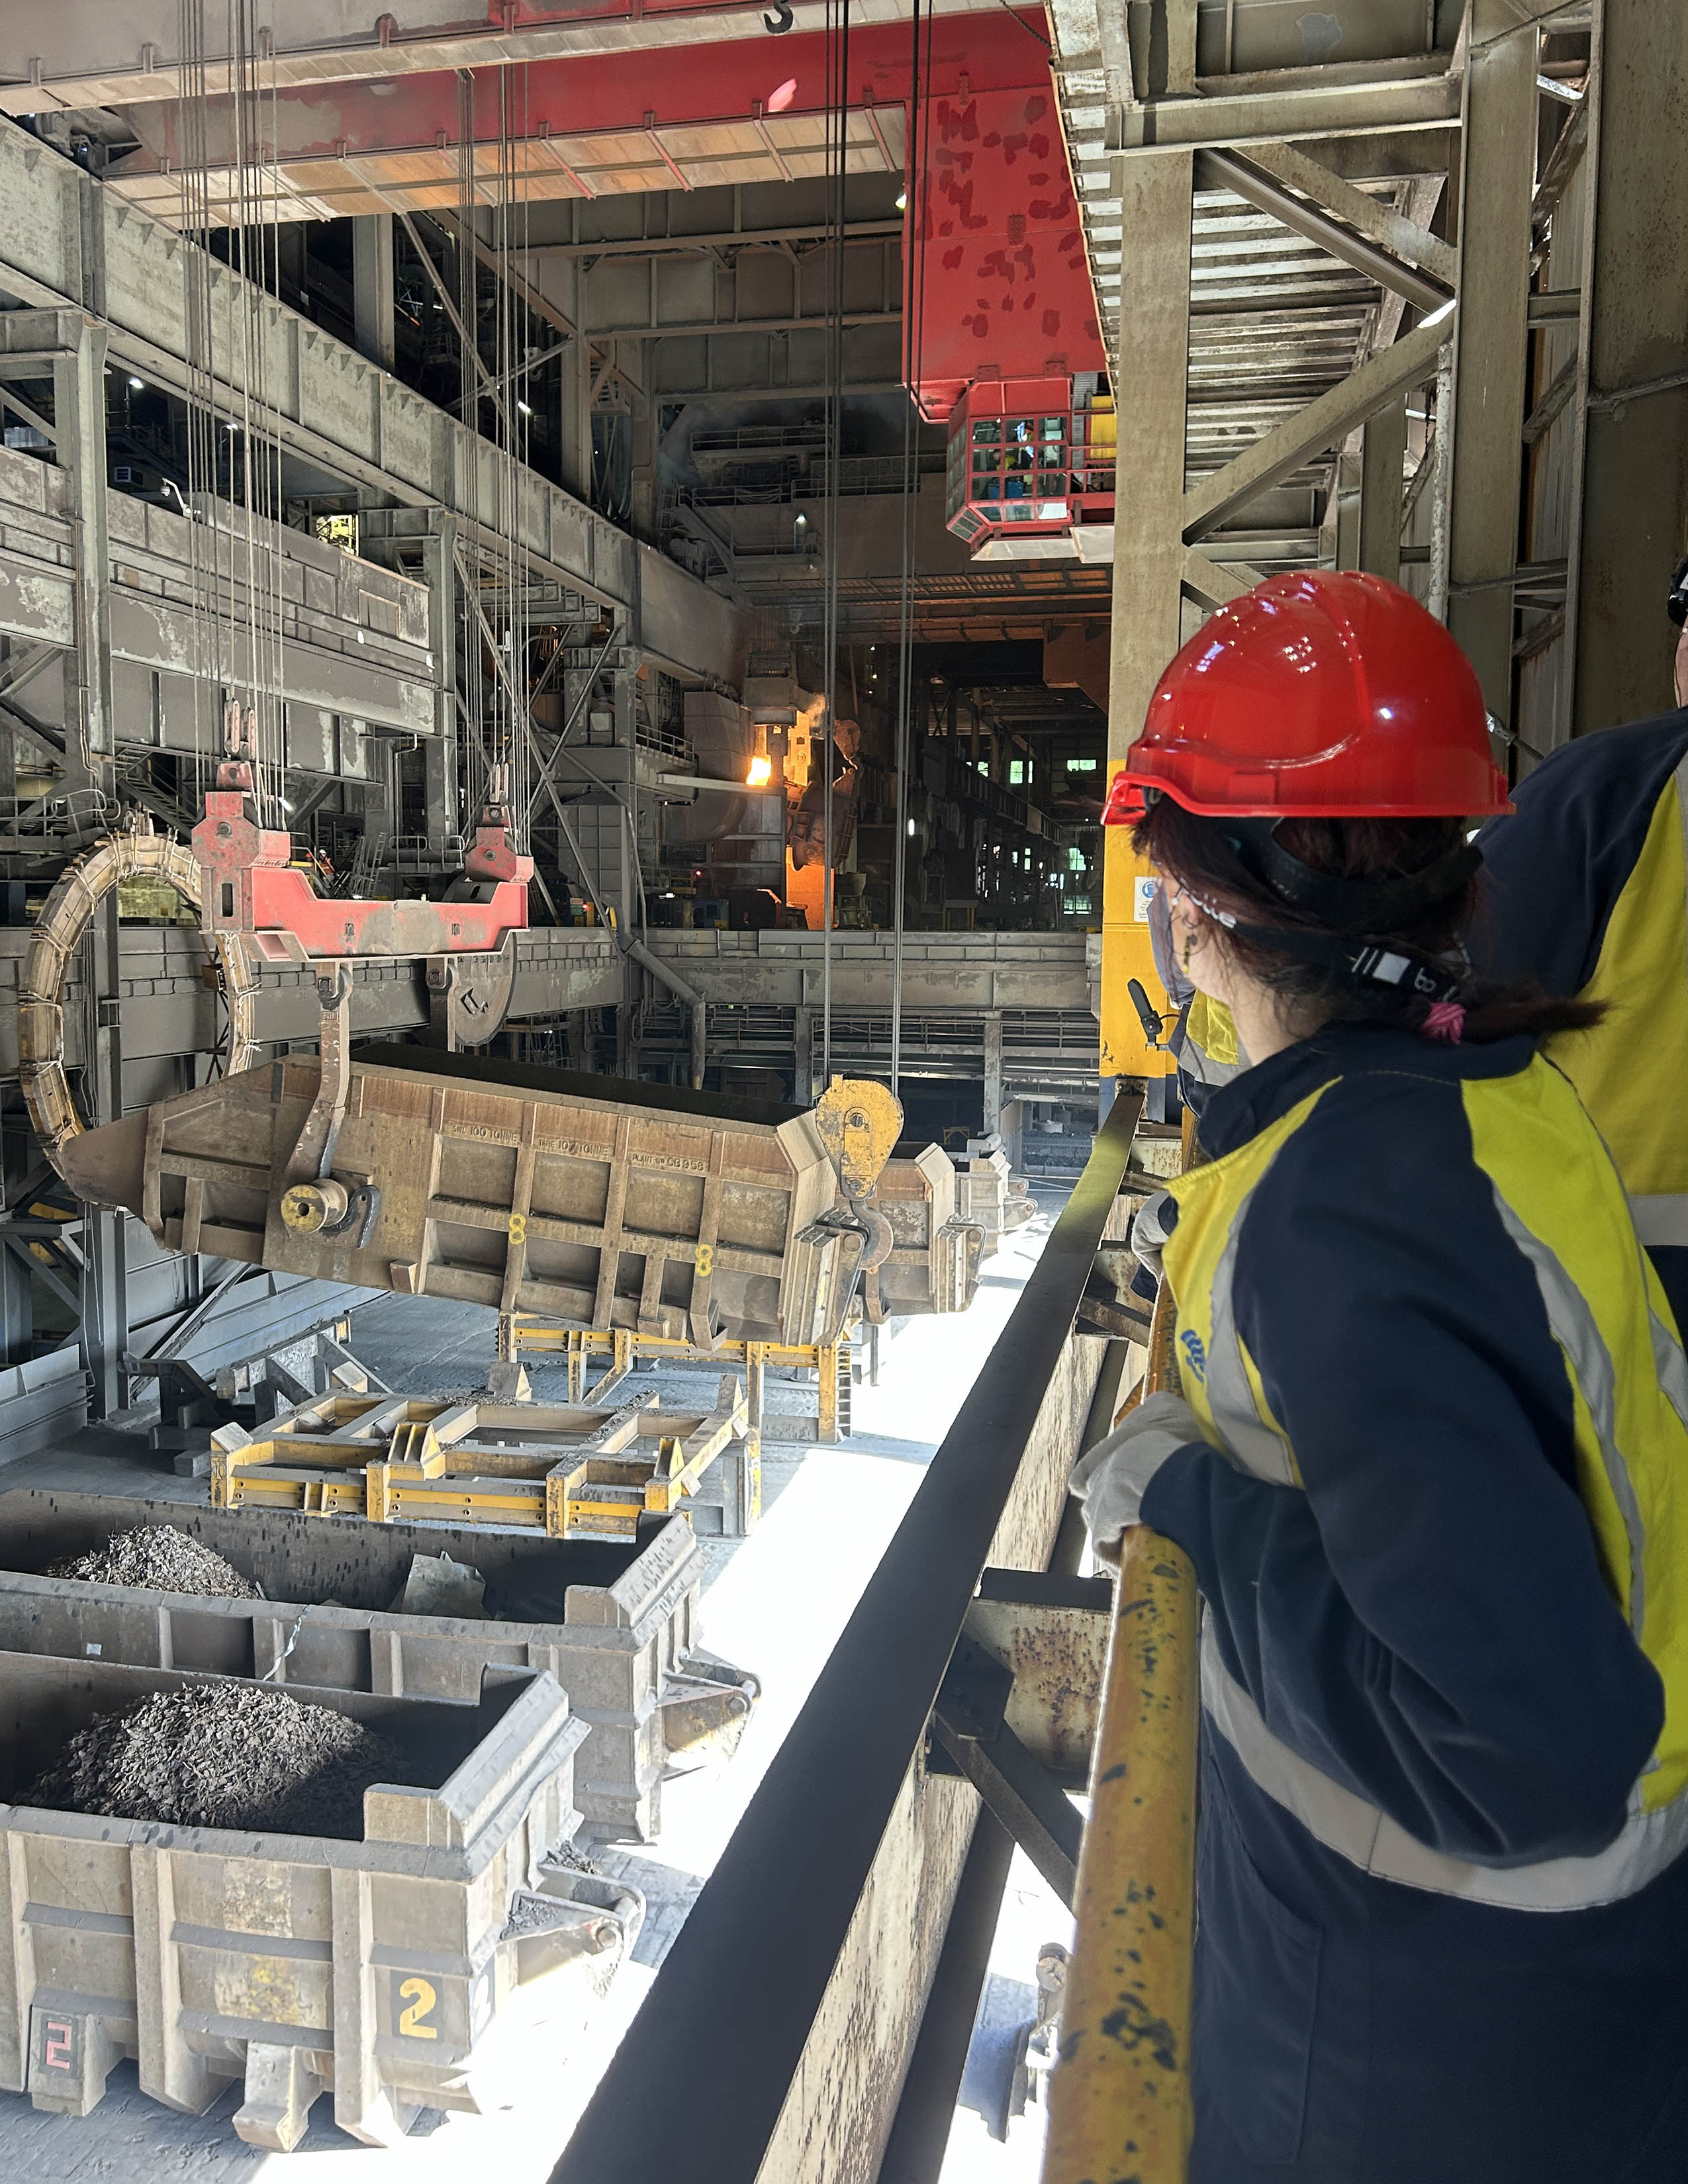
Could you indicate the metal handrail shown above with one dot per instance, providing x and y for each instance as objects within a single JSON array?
[
  {"x": 752, "y": 1964},
  {"x": 1123, "y": 2079}
]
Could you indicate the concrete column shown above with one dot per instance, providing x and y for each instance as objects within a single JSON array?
[
  {"x": 105, "y": 1300},
  {"x": 1383, "y": 451},
  {"x": 372, "y": 292},
  {"x": 445, "y": 814},
  {"x": 1153, "y": 354},
  {"x": 642, "y": 513},
  {"x": 803, "y": 1052},
  {"x": 992, "y": 1070},
  {"x": 78, "y": 409},
  {"x": 1154, "y": 362},
  {"x": 626, "y": 768},
  {"x": 8, "y": 731},
  {"x": 1489, "y": 362},
  {"x": 1009, "y": 1127},
  {"x": 1634, "y": 473},
  {"x": 578, "y": 409},
  {"x": 559, "y": 280},
  {"x": 1344, "y": 518},
  {"x": 378, "y": 796},
  {"x": 17, "y": 1310}
]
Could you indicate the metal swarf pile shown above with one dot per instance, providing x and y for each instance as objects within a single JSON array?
[
  {"x": 161, "y": 1557},
  {"x": 223, "y": 1756}
]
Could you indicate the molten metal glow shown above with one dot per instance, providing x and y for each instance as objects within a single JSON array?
[{"x": 760, "y": 774}]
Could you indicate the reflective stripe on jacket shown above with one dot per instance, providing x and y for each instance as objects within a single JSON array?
[
  {"x": 1438, "y": 1530},
  {"x": 1206, "y": 1043},
  {"x": 1587, "y": 890}
]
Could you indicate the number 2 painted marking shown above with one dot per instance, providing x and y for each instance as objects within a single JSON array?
[
  {"x": 420, "y": 1995},
  {"x": 59, "y": 2045}
]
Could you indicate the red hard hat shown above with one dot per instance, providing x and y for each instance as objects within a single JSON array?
[{"x": 1316, "y": 696}]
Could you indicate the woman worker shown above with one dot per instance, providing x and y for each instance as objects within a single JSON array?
[{"x": 1430, "y": 1463}]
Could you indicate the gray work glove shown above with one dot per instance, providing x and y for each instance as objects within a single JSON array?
[
  {"x": 1112, "y": 1478},
  {"x": 1154, "y": 1221}
]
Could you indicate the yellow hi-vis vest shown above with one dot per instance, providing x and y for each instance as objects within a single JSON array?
[
  {"x": 1565, "y": 1212},
  {"x": 1207, "y": 1044},
  {"x": 1628, "y": 1070}
]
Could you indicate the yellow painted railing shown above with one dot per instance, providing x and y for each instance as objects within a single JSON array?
[{"x": 1120, "y": 2096}]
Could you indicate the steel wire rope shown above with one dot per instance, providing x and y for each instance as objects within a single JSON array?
[
  {"x": 239, "y": 214},
  {"x": 269, "y": 321},
  {"x": 194, "y": 221},
  {"x": 838, "y": 164},
  {"x": 510, "y": 713},
  {"x": 263, "y": 465},
  {"x": 481, "y": 757},
  {"x": 914, "y": 336}
]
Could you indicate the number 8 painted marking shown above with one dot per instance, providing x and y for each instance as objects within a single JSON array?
[
  {"x": 705, "y": 1260},
  {"x": 422, "y": 1997},
  {"x": 518, "y": 1228}
]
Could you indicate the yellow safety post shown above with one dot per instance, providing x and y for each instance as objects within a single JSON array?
[
  {"x": 1120, "y": 2096},
  {"x": 1129, "y": 886}
]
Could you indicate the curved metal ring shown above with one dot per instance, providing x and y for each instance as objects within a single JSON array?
[{"x": 65, "y": 916}]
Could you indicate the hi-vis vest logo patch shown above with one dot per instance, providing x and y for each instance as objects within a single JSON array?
[{"x": 1191, "y": 1342}]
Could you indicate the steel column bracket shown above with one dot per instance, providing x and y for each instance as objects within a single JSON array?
[
  {"x": 1110, "y": 1305},
  {"x": 1049, "y": 1631},
  {"x": 970, "y": 1736},
  {"x": 469, "y": 995},
  {"x": 315, "y": 1201},
  {"x": 705, "y": 1716},
  {"x": 314, "y": 1154}
]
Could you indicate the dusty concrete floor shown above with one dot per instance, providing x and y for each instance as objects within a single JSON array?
[{"x": 775, "y": 1602}]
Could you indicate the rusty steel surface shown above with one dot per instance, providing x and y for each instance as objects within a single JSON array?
[
  {"x": 1055, "y": 1645},
  {"x": 585, "y": 1201},
  {"x": 1120, "y": 2109},
  {"x": 253, "y": 888}
]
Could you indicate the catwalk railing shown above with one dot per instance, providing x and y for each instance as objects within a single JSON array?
[{"x": 776, "y": 2041}]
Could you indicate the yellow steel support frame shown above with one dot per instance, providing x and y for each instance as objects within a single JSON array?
[
  {"x": 827, "y": 1368},
  {"x": 625, "y": 1347},
  {"x": 1120, "y": 2096},
  {"x": 565, "y": 1471}
]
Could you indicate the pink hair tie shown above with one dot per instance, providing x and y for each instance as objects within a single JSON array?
[{"x": 1445, "y": 1020}]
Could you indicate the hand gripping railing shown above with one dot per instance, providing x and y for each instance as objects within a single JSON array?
[{"x": 1120, "y": 2096}]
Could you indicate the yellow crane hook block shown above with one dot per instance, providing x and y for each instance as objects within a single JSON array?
[{"x": 860, "y": 1122}]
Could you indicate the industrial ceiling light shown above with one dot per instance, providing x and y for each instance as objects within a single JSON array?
[
  {"x": 523, "y": 407},
  {"x": 799, "y": 531},
  {"x": 902, "y": 200},
  {"x": 139, "y": 385}
]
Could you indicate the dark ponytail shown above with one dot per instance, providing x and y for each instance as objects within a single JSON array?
[{"x": 1216, "y": 865}]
